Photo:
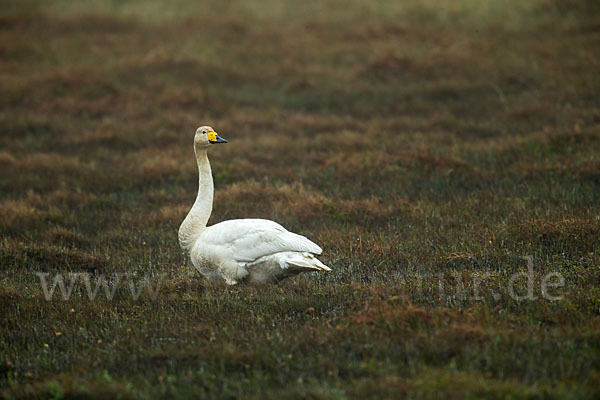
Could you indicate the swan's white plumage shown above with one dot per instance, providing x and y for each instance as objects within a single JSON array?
[
  {"x": 250, "y": 239},
  {"x": 253, "y": 249}
]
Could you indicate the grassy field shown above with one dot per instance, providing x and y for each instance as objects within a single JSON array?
[{"x": 432, "y": 148}]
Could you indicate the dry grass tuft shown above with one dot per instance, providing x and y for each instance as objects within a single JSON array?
[
  {"x": 50, "y": 258},
  {"x": 17, "y": 215},
  {"x": 575, "y": 234},
  {"x": 60, "y": 236}
]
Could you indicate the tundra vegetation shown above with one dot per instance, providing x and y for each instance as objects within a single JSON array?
[{"x": 432, "y": 148}]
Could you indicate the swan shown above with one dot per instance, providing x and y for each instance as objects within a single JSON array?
[{"x": 256, "y": 250}]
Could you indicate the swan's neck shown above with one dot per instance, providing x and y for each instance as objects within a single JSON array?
[{"x": 196, "y": 220}]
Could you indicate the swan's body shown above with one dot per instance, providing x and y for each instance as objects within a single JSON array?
[{"x": 240, "y": 249}]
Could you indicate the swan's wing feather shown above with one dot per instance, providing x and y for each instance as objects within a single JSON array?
[{"x": 250, "y": 239}]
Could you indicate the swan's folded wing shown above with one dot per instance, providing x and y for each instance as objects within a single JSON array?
[{"x": 250, "y": 239}]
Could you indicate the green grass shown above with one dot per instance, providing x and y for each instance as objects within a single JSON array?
[{"x": 426, "y": 146}]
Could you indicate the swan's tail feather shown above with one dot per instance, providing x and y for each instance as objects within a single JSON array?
[
  {"x": 278, "y": 266},
  {"x": 307, "y": 261}
]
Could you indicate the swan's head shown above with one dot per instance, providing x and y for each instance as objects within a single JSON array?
[{"x": 206, "y": 137}]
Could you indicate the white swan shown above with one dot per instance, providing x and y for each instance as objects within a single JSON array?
[{"x": 252, "y": 249}]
